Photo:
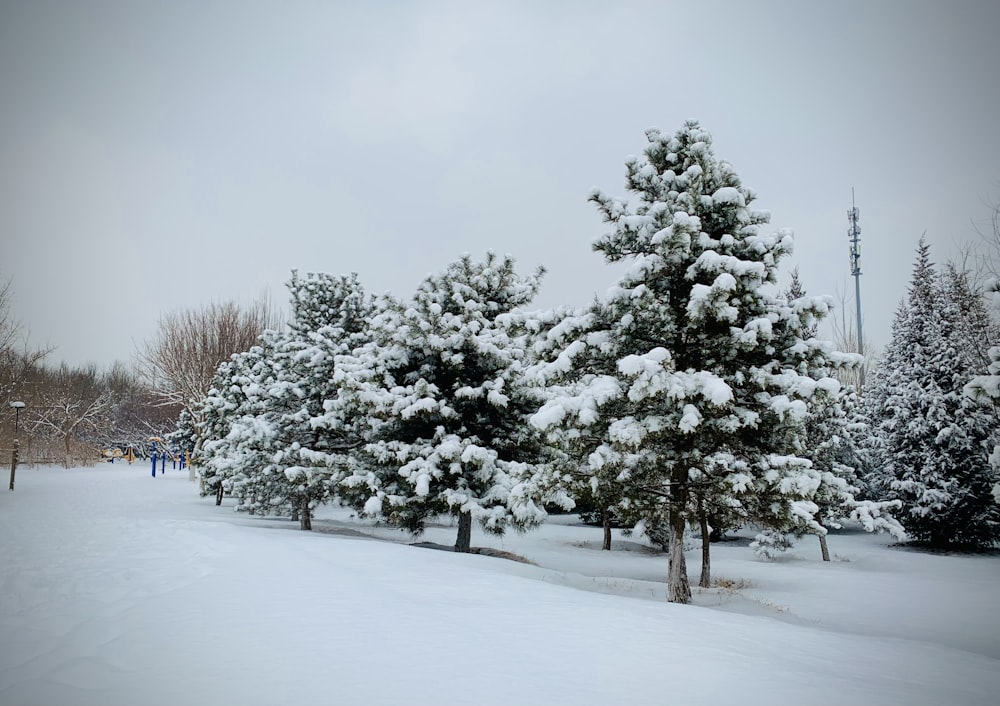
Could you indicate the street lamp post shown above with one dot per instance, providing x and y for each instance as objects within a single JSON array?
[{"x": 17, "y": 444}]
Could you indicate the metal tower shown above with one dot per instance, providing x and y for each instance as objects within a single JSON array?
[{"x": 854, "y": 235}]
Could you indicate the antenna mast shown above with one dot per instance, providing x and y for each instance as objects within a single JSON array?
[{"x": 854, "y": 236}]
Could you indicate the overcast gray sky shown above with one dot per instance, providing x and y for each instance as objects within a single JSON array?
[{"x": 163, "y": 155}]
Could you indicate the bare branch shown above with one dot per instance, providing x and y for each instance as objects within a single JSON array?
[{"x": 182, "y": 358}]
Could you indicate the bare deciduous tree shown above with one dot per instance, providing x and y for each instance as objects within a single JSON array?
[
  {"x": 17, "y": 358},
  {"x": 136, "y": 414},
  {"x": 17, "y": 361},
  {"x": 181, "y": 359},
  {"x": 986, "y": 269},
  {"x": 10, "y": 327},
  {"x": 72, "y": 405}
]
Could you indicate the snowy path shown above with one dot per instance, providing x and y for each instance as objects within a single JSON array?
[{"x": 119, "y": 589}]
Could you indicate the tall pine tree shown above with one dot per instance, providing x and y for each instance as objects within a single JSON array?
[
  {"x": 330, "y": 319},
  {"x": 689, "y": 383},
  {"x": 929, "y": 442},
  {"x": 986, "y": 388}
]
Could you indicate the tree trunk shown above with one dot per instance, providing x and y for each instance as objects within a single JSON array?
[
  {"x": 66, "y": 440},
  {"x": 606, "y": 517},
  {"x": 678, "y": 588},
  {"x": 305, "y": 515},
  {"x": 218, "y": 494},
  {"x": 705, "y": 580},
  {"x": 464, "y": 541},
  {"x": 824, "y": 550}
]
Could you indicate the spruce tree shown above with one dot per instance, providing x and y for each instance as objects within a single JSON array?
[
  {"x": 929, "y": 446},
  {"x": 986, "y": 388},
  {"x": 976, "y": 330}
]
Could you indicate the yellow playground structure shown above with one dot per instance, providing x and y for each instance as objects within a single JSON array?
[{"x": 117, "y": 452}]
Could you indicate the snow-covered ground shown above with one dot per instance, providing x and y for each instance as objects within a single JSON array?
[{"x": 116, "y": 588}]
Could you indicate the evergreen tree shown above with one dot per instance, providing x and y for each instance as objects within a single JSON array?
[
  {"x": 286, "y": 443},
  {"x": 562, "y": 374},
  {"x": 986, "y": 389},
  {"x": 830, "y": 446},
  {"x": 976, "y": 330},
  {"x": 212, "y": 415},
  {"x": 929, "y": 440},
  {"x": 237, "y": 427},
  {"x": 841, "y": 494},
  {"x": 689, "y": 384},
  {"x": 184, "y": 437},
  {"x": 330, "y": 317},
  {"x": 444, "y": 378}
]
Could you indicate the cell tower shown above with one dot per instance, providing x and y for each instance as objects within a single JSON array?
[{"x": 854, "y": 235}]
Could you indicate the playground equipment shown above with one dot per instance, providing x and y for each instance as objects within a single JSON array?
[
  {"x": 122, "y": 451},
  {"x": 156, "y": 453},
  {"x": 159, "y": 451},
  {"x": 111, "y": 454}
]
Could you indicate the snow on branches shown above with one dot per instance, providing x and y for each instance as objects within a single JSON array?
[{"x": 687, "y": 386}]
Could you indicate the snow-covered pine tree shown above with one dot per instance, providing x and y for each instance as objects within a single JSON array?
[
  {"x": 796, "y": 290},
  {"x": 929, "y": 440},
  {"x": 829, "y": 444},
  {"x": 976, "y": 330},
  {"x": 236, "y": 432},
  {"x": 453, "y": 403},
  {"x": 693, "y": 380},
  {"x": 286, "y": 440},
  {"x": 184, "y": 437},
  {"x": 212, "y": 415},
  {"x": 330, "y": 319},
  {"x": 841, "y": 494},
  {"x": 561, "y": 373},
  {"x": 986, "y": 388}
]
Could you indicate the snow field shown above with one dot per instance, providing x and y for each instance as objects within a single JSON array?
[{"x": 116, "y": 588}]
